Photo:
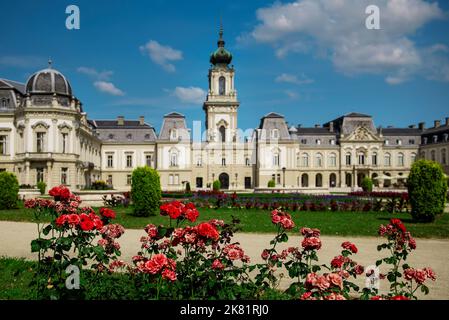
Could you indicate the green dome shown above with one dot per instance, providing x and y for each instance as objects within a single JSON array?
[{"x": 221, "y": 56}]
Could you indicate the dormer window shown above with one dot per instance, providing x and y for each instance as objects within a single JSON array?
[
  {"x": 111, "y": 136},
  {"x": 399, "y": 142},
  {"x": 303, "y": 141},
  {"x": 332, "y": 142},
  {"x": 129, "y": 136},
  {"x": 435, "y": 139},
  {"x": 173, "y": 134},
  {"x": 411, "y": 141},
  {"x": 387, "y": 142},
  {"x": 446, "y": 137},
  {"x": 424, "y": 140},
  {"x": 275, "y": 134},
  {"x": 147, "y": 137}
]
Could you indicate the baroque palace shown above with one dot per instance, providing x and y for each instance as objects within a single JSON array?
[{"x": 46, "y": 136}]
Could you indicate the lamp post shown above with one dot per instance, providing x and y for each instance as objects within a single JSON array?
[{"x": 283, "y": 178}]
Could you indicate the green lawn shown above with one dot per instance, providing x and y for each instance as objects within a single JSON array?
[
  {"x": 15, "y": 277},
  {"x": 254, "y": 220}
]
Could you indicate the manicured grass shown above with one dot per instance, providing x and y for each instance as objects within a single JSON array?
[
  {"x": 255, "y": 220},
  {"x": 15, "y": 277}
]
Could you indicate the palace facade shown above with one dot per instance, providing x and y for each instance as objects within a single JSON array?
[{"x": 46, "y": 136}]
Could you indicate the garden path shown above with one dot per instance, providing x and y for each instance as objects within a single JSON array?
[{"x": 15, "y": 238}]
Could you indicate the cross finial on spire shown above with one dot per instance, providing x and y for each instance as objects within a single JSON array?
[
  {"x": 221, "y": 42},
  {"x": 49, "y": 63}
]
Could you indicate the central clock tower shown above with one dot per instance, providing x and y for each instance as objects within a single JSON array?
[{"x": 221, "y": 103}]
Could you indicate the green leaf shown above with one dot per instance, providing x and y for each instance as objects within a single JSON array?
[{"x": 47, "y": 229}]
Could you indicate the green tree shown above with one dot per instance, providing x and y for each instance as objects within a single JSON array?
[
  {"x": 427, "y": 190},
  {"x": 9, "y": 190},
  {"x": 41, "y": 185},
  {"x": 367, "y": 184},
  {"x": 145, "y": 191},
  {"x": 216, "y": 185}
]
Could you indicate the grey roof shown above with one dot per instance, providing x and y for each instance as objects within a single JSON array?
[
  {"x": 401, "y": 131},
  {"x": 174, "y": 120},
  {"x": 130, "y": 132},
  {"x": 438, "y": 130},
  {"x": 357, "y": 115},
  {"x": 348, "y": 123},
  {"x": 314, "y": 131},
  {"x": 13, "y": 85},
  {"x": 274, "y": 121}
]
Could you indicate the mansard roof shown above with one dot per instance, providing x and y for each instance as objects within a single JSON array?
[
  {"x": 401, "y": 131},
  {"x": 5, "y": 83},
  {"x": 174, "y": 115},
  {"x": 113, "y": 124},
  {"x": 174, "y": 120}
]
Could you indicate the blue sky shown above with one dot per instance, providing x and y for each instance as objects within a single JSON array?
[{"x": 310, "y": 60}]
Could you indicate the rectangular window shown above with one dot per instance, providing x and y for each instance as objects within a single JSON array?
[
  {"x": 361, "y": 159},
  {"x": 3, "y": 145},
  {"x": 40, "y": 136},
  {"x": 374, "y": 159},
  {"x": 348, "y": 159},
  {"x": 39, "y": 175},
  {"x": 148, "y": 160},
  {"x": 176, "y": 179},
  {"x": 170, "y": 179},
  {"x": 128, "y": 180},
  {"x": 64, "y": 142},
  {"x": 110, "y": 179},
  {"x": 199, "y": 182},
  {"x": 64, "y": 173},
  {"x": 278, "y": 180},
  {"x": 110, "y": 161},
  {"x": 129, "y": 161},
  {"x": 223, "y": 161},
  {"x": 247, "y": 182}
]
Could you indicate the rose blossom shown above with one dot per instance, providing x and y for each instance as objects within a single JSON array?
[
  {"x": 217, "y": 265},
  {"x": 335, "y": 279},
  {"x": 311, "y": 243},
  {"x": 168, "y": 274},
  {"x": 208, "y": 231},
  {"x": 349, "y": 246}
]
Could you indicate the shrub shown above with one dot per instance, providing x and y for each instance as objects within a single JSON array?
[
  {"x": 367, "y": 184},
  {"x": 41, "y": 185},
  {"x": 427, "y": 189},
  {"x": 145, "y": 191},
  {"x": 99, "y": 185},
  {"x": 9, "y": 190},
  {"x": 216, "y": 185},
  {"x": 271, "y": 184}
]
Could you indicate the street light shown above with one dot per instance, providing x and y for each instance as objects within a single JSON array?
[{"x": 283, "y": 172}]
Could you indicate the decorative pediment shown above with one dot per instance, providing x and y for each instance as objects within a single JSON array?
[
  {"x": 361, "y": 133},
  {"x": 223, "y": 123},
  {"x": 64, "y": 126},
  {"x": 40, "y": 124}
]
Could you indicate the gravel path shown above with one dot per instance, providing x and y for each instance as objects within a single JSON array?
[{"x": 15, "y": 238}]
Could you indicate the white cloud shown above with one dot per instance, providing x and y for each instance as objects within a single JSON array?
[
  {"x": 162, "y": 55},
  {"x": 189, "y": 94},
  {"x": 291, "y": 94},
  {"x": 335, "y": 30},
  {"x": 99, "y": 75},
  {"x": 108, "y": 87},
  {"x": 291, "y": 78}
]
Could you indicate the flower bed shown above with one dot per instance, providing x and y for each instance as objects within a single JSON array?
[
  {"x": 357, "y": 201},
  {"x": 202, "y": 261}
]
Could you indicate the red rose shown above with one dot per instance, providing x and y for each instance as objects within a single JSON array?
[
  {"x": 399, "y": 297},
  {"x": 65, "y": 193},
  {"x": 87, "y": 225},
  {"x": 208, "y": 231},
  {"x": 107, "y": 213},
  {"x": 217, "y": 265},
  {"x": 349, "y": 246},
  {"x": 61, "y": 220},
  {"x": 337, "y": 262},
  {"x": 74, "y": 219},
  {"x": 169, "y": 275},
  {"x": 398, "y": 224},
  {"x": 192, "y": 214},
  {"x": 311, "y": 243}
]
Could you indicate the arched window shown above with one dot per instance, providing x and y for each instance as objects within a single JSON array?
[
  {"x": 173, "y": 159},
  {"x": 413, "y": 158},
  {"x": 276, "y": 159},
  {"x": 305, "y": 160},
  {"x": 400, "y": 159},
  {"x": 361, "y": 157},
  {"x": 432, "y": 155},
  {"x": 443, "y": 156},
  {"x": 332, "y": 180},
  {"x": 332, "y": 160},
  {"x": 304, "y": 180},
  {"x": 247, "y": 162},
  {"x": 348, "y": 180},
  {"x": 374, "y": 159},
  {"x": 387, "y": 160},
  {"x": 222, "y": 86},
  {"x": 222, "y": 133},
  {"x": 4, "y": 103},
  {"x": 173, "y": 134},
  {"x": 319, "y": 160},
  {"x": 319, "y": 180}
]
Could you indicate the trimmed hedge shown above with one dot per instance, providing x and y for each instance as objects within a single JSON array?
[
  {"x": 9, "y": 190},
  {"x": 41, "y": 185},
  {"x": 427, "y": 189},
  {"x": 145, "y": 191},
  {"x": 271, "y": 184},
  {"x": 216, "y": 185},
  {"x": 367, "y": 184}
]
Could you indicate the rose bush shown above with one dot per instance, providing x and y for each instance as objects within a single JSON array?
[
  {"x": 188, "y": 260},
  {"x": 70, "y": 240}
]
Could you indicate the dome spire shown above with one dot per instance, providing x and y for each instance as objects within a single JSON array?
[
  {"x": 49, "y": 63},
  {"x": 221, "y": 42}
]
